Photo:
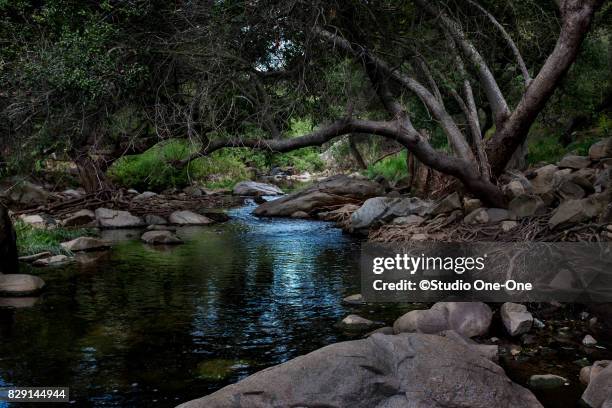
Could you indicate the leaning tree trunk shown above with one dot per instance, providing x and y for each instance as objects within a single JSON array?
[{"x": 8, "y": 244}]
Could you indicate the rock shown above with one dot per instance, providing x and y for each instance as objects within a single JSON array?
[
  {"x": 589, "y": 373},
  {"x": 32, "y": 258},
  {"x": 589, "y": 340},
  {"x": 419, "y": 237},
  {"x": 133, "y": 191},
  {"x": 193, "y": 191},
  {"x": 20, "y": 285},
  {"x": 526, "y": 206},
  {"x": 51, "y": 261},
  {"x": 189, "y": 218},
  {"x": 576, "y": 211},
  {"x": 568, "y": 190},
  {"x": 599, "y": 391},
  {"x": 108, "y": 218},
  {"x": 507, "y": 226},
  {"x": 538, "y": 324},
  {"x": 355, "y": 322},
  {"x": 160, "y": 238},
  {"x": 144, "y": 196},
  {"x": 546, "y": 381},
  {"x": 78, "y": 193},
  {"x": 80, "y": 218},
  {"x": 300, "y": 214},
  {"x": 497, "y": 215},
  {"x": 388, "y": 330},
  {"x": 478, "y": 216},
  {"x": 603, "y": 180},
  {"x": 542, "y": 179},
  {"x": 466, "y": 318},
  {"x": 333, "y": 191},
  {"x": 516, "y": 318},
  {"x": 384, "y": 209},
  {"x": 574, "y": 162},
  {"x": 17, "y": 302},
  {"x": 356, "y": 299},
  {"x": 448, "y": 204},
  {"x": 601, "y": 149},
  {"x": 252, "y": 188},
  {"x": 471, "y": 204},
  {"x": 161, "y": 228},
  {"x": 151, "y": 219},
  {"x": 34, "y": 220},
  {"x": 513, "y": 189},
  {"x": 9, "y": 262},
  {"x": 490, "y": 352},
  {"x": 26, "y": 193},
  {"x": 406, "y": 370},
  {"x": 409, "y": 220},
  {"x": 85, "y": 244}
]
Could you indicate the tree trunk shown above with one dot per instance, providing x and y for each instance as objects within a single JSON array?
[
  {"x": 355, "y": 152},
  {"x": 8, "y": 244},
  {"x": 92, "y": 173}
]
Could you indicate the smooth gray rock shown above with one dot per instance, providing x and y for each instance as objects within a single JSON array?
[
  {"x": 108, "y": 218},
  {"x": 471, "y": 204},
  {"x": 85, "y": 244},
  {"x": 28, "y": 194},
  {"x": 478, "y": 216},
  {"x": 542, "y": 180},
  {"x": 144, "y": 196},
  {"x": 253, "y": 188},
  {"x": 601, "y": 149},
  {"x": 356, "y": 299},
  {"x": 355, "y": 322},
  {"x": 516, "y": 318},
  {"x": 498, "y": 215},
  {"x": 466, "y": 318},
  {"x": 20, "y": 285},
  {"x": 189, "y": 218},
  {"x": 576, "y": 211},
  {"x": 384, "y": 209},
  {"x": 546, "y": 381},
  {"x": 334, "y": 191},
  {"x": 599, "y": 391},
  {"x": 80, "y": 218},
  {"x": 526, "y": 206},
  {"x": 589, "y": 373},
  {"x": 603, "y": 180},
  {"x": 151, "y": 219},
  {"x": 160, "y": 238},
  {"x": 448, "y": 204},
  {"x": 568, "y": 190},
  {"x": 382, "y": 371},
  {"x": 9, "y": 262},
  {"x": 572, "y": 161},
  {"x": 52, "y": 261}
]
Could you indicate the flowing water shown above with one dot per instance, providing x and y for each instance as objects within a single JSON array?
[{"x": 144, "y": 326}]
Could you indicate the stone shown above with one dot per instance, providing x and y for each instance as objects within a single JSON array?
[
  {"x": 144, "y": 196},
  {"x": 162, "y": 227},
  {"x": 508, "y": 226},
  {"x": 497, "y": 215},
  {"x": 601, "y": 149},
  {"x": 108, "y": 218},
  {"x": 546, "y": 381},
  {"x": 72, "y": 193},
  {"x": 193, "y": 191},
  {"x": 356, "y": 299},
  {"x": 406, "y": 370},
  {"x": 490, "y": 352},
  {"x": 152, "y": 219},
  {"x": 9, "y": 262},
  {"x": 252, "y": 188},
  {"x": 85, "y": 244},
  {"x": 334, "y": 191},
  {"x": 300, "y": 214},
  {"x": 388, "y": 330},
  {"x": 189, "y": 218},
  {"x": 379, "y": 210},
  {"x": 577, "y": 211},
  {"x": 542, "y": 179},
  {"x": 513, "y": 189},
  {"x": 589, "y": 341},
  {"x": 517, "y": 320},
  {"x": 599, "y": 391},
  {"x": 471, "y": 204},
  {"x": 355, "y": 322},
  {"x": 409, "y": 220},
  {"x": 80, "y": 218},
  {"x": 572, "y": 161},
  {"x": 34, "y": 220},
  {"x": 51, "y": 261},
  {"x": 34, "y": 257},
  {"x": 28, "y": 194},
  {"x": 568, "y": 190},
  {"x": 469, "y": 319},
  {"x": 448, "y": 204},
  {"x": 133, "y": 191},
  {"x": 160, "y": 238},
  {"x": 526, "y": 206},
  {"x": 603, "y": 180},
  {"x": 20, "y": 285},
  {"x": 419, "y": 237},
  {"x": 478, "y": 216},
  {"x": 589, "y": 373},
  {"x": 21, "y": 302}
]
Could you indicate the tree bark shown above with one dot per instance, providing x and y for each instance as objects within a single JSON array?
[
  {"x": 356, "y": 154},
  {"x": 9, "y": 262}
]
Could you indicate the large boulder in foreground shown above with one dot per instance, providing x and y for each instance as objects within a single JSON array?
[
  {"x": 253, "y": 188},
  {"x": 8, "y": 244},
  {"x": 599, "y": 392},
  {"x": 327, "y": 194},
  {"x": 382, "y": 371}
]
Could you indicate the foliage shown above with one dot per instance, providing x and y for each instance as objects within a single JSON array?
[
  {"x": 392, "y": 168},
  {"x": 32, "y": 240}
]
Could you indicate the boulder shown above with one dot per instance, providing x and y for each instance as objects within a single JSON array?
[
  {"x": 85, "y": 244},
  {"x": 80, "y": 218},
  {"x": 188, "y": 218},
  {"x": 355, "y": 322},
  {"x": 9, "y": 262},
  {"x": 497, "y": 215},
  {"x": 568, "y": 190},
  {"x": 300, "y": 214},
  {"x": 28, "y": 194},
  {"x": 332, "y": 192},
  {"x": 507, "y": 226},
  {"x": 51, "y": 261},
  {"x": 108, "y": 218},
  {"x": 253, "y": 188},
  {"x": 542, "y": 179},
  {"x": 151, "y": 219},
  {"x": 589, "y": 341},
  {"x": 18, "y": 302},
  {"x": 381, "y": 371},
  {"x": 448, "y": 204},
  {"x": 471, "y": 204},
  {"x": 576, "y": 211},
  {"x": 34, "y": 220},
  {"x": 601, "y": 149},
  {"x": 356, "y": 299},
  {"x": 572, "y": 161},
  {"x": 193, "y": 191},
  {"x": 603, "y": 180},
  {"x": 546, "y": 381},
  {"x": 590, "y": 372},
  {"x": 384, "y": 209},
  {"x": 466, "y": 318},
  {"x": 20, "y": 285},
  {"x": 144, "y": 196},
  {"x": 599, "y": 391},
  {"x": 513, "y": 189},
  {"x": 516, "y": 318},
  {"x": 478, "y": 216},
  {"x": 160, "y": 238},
  {"x": 526, "y": 206}
]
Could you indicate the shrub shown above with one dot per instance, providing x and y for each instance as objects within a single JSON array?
[
  {"x": 32, "y": 240},
  {"x": 391, "y": 168}
]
